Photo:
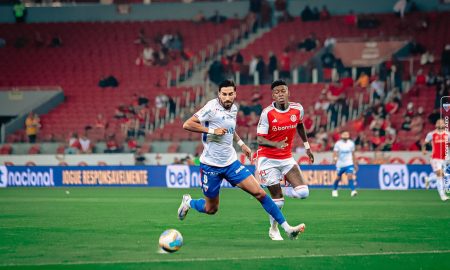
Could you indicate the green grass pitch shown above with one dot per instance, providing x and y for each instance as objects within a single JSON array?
[{"x": 118, "y": 228}]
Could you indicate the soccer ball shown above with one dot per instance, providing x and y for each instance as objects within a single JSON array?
[{"x": 170, "y": 240}]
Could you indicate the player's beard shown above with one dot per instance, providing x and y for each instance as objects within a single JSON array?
[{"x": 227, "y": 105}]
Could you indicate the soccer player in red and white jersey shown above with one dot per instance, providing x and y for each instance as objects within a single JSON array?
[
  {"x": 439, "y": 139},
  {"x": 276, "y": 130}
]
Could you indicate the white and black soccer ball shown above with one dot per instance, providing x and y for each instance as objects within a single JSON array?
[{"x": 170, "y": 240}]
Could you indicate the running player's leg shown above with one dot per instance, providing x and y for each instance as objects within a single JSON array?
[
  {"x": 240, "y": 176},
  {"x": 437, "y": 166},
  {"x": 299, "y": 189},
  {"x": 334, "y": 193},
  {"x": 211, "y": 178},
  {"x": 271, "y": 177},
  {"x": 277, "y": 197}
]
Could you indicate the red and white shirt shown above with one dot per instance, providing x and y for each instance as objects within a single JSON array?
[
  {"x": 276, "y": 125},
  {"x": 438, "y": 142}
]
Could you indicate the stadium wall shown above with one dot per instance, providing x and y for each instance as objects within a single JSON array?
[
  {"x": 184, "y": 11},
  {"x": 385, "y": 177}
]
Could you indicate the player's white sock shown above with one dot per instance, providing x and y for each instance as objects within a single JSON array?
[
  {"x": 286, "y": 226},
  {"x": 280, "y": 204},
  {"x": 299, "y": 192},
  {"x": 440, "y": 186}
]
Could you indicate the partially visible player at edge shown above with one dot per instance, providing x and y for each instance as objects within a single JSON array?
[
  {"x": 276, "y": 131},
  {"x": 217, "y": 121},
  {"x": 438, "y": 138},
  {"x": 344, "y": 157}
]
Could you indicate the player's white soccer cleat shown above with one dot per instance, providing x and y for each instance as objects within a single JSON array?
[
  {"x": 274, "y": 234},
  {"x": 184, "y": 207},
  {"x": 295, "y": 231},
  {"x": 444, "y": 198},
  {"x": 334, "y": 194},
  {"x": 354, "y": 193}
]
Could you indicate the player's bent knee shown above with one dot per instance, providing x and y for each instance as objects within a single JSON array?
[{"x": 260, "y": 194}]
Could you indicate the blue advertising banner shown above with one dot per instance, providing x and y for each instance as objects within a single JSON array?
[{"x": 386, "y": 177}]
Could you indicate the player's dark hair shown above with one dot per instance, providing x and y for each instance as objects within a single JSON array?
[
  {"x": 277, "y": 83},
  {"x": 227, "y": 83}
]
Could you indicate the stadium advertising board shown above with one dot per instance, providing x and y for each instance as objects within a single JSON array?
[{"x": 386, "y": 177}]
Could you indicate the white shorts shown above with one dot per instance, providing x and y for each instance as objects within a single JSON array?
[
  {"x": 437, "y": 164},
  {"x": 271, "y": 171}
]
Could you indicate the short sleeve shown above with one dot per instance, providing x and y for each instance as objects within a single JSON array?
[
  {"x": 205, "y": 113},
  {"x": 263, "y": 124},
  {"x": 429, "y": 137},
  {"x": 336, "y": 147}
]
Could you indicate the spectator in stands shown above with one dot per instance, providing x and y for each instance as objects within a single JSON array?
[
  {"x": 111, "y": 145},
  {"x": 217, "y": 18},
  {"x": 432, "y": 77},
  {"x": 255, "y": 107},
  {"x": 139, "y": 157},
  {"x": 216, "y": 71},
  {"x": 266, "y": 14},
  {"x": 347, "y": 80},
  {"x": 324, "y": 13},
  {"x": 161, "y": 101},
  {"x": 132, "y": 144},
  {"x": 445, "y": 60},
  {"x": 100, "y": 122},
  {"x": 377, "y": 140},
  {"x": 377, "y": 86},
  {"x": 406, "y": 125},
  {"x": 142, "y": 38},
  {"x": 285, "y": 63},
  {"x": 351, "y": 19},
  {"x": 199, "y": 17},
  {"x": 73, "y": 146},
  {"x": 261, "y": 69},
  {"x": 322, "y": 103},
  {"x": 252, "y": 66},
  {"x": 421, "y": 79},
  {"x": 147, "y": 56},
  {"x": 20, "y": 11},
  {"x": 309, "y": 43},
  {"x": 56, "y": 41},
  {"x": 377, "y": 125},
  {"x": 391, "y": 107},
  {"x": 238, "y": 58},
  {"x": 252, "y": 120},
  {"x": 241, "y": 120},
  {"x": 335, "y": 92},
  {"x": 32, "y": 125},
  {"x": 309, "y": 122},
  {"x": 307, "y": 14},
  {"x": 427, "y": 58},
  {"x": 281, "y": 10},
  {"x": 363, "y": 80},
  {"x": 328, "y": 59},
  {"x": 321, "y": 136},
  {"x": 86, "y": 146},
  {"x": 410, "y": 110},
  {"x": 434, "y": 116},
  {"x": 273, "y": 65},
  {"x": 417, "y": 122},
  {"x": 362, "y": 143},
  {"x": 400, "y": 8}
]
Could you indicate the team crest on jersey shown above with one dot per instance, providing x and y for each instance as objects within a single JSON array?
[{"x": 293, "y": 118}]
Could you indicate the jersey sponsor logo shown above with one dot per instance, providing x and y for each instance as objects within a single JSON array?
[
  {"x": 178, "y": 176},
  {"x": 293, "y": 118},
  {"x": 28, "y": 177},
  {"x": 3, "y": 176},
  {"x": 393, "y": 177},
  {"x": 281, "y": 128}
]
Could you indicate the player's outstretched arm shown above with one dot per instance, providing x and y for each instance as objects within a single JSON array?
[
  {"x": 194, "y": 125},
  {"x": 245, "y": 149},
  {"x": 302, "y": 132}
]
